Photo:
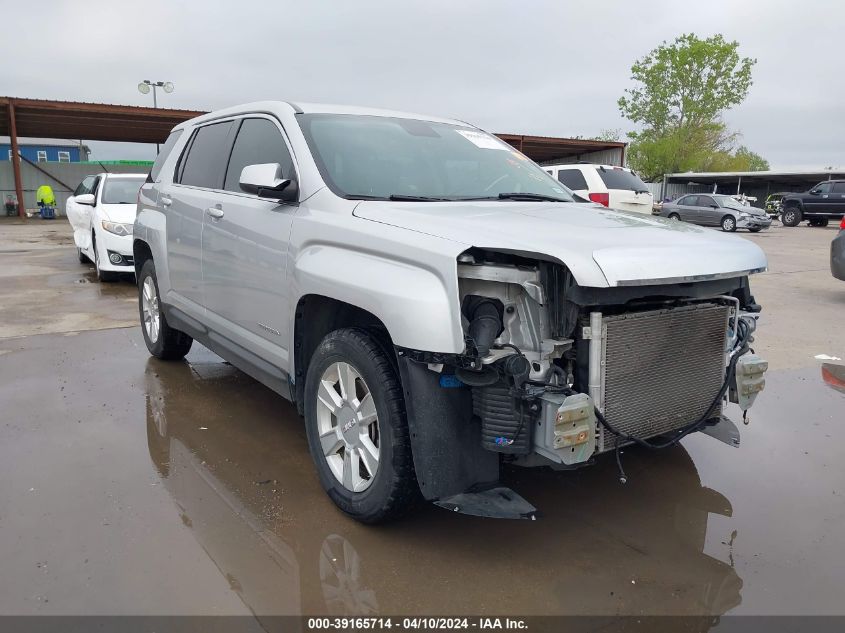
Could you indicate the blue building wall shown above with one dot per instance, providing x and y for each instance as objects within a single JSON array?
[{"x": 31, "y": 152}]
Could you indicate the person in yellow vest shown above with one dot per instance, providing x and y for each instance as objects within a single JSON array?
[{"x": 46, "y": 200}]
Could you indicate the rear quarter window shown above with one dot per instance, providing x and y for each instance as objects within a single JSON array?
[
  {"x": 621, "y": 179},
  {"x": 572, "y": 178},
  {"x": 163, "y": 154}
]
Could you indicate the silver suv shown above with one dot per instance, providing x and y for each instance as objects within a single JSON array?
[{"x": 434, "y": 303}]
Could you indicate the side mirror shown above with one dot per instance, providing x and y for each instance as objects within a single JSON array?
[
  {"x": 266, "y": 180},
  {"x": 85, "y": 198},
  {"x": 815, "y": 192},
  {"x": 714, "y": 206}
]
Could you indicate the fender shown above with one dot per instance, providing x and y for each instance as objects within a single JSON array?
[
  {"x": 417, "y": 305},
  {"x": 793, "y": 201}
]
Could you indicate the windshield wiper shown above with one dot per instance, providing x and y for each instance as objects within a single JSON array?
[
  {"x": 402, "y": 198},
  {"x": 516, "y": 195}
]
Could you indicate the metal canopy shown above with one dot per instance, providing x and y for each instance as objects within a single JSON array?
[
  {"x": 38, "y": 118},
  {"x": 543, "y": 149},
  {"x": 758, "y": 177}
]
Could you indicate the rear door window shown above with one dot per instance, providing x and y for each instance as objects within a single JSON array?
[
  {"x": 839, "y": 187},
  {"x": 621, "y": 179},
  {"x": 163, "y": 154},
  {"x": 259, "y": 141},
  {"x": 572, "y": 178},
  {"x": 205, "y": 163}
]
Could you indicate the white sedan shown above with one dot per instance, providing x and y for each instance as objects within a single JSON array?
[{"x": 102, "y": 211}]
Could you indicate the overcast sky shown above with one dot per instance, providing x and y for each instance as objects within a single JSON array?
[{"x": 550, "y": 68}]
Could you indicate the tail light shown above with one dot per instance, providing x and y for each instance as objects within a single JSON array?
[
  {"x": 601, "y": 198},
  {"x": 842, "y": 224}
]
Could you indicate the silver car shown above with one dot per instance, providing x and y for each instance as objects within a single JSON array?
[
  {"x": 435, "y": 303},
  {"x": 716, "y": 210}
]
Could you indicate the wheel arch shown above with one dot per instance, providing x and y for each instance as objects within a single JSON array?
[
  {"x": 315, "y": 317},
  {"x": 141, "y": 253}
]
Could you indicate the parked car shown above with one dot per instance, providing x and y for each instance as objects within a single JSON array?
[
  {"x": 716, "y": 210},
  {"x": 102, "y": 213},
  {"x": 614, "y": 187},
  {"x": 434, "y": 303},
  {"x": 819, "y": 205},
  {"x": 774, "y": 204},
  {"x": 837, "y": 253}
]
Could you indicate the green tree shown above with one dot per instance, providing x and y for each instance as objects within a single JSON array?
[
  {"x": 681, "y": 90},
  {"x": 754, "y": 161}
]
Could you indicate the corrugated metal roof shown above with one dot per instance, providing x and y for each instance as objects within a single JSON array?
[
  {"x": 40, "y": 118},
  {"x": 773, "y": 173},
  {"x": 37, "y": 118}
]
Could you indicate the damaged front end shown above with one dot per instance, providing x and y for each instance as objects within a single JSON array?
[{"x": 555, "y": 374}]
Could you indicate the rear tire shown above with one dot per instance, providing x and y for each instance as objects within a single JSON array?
[
  {"x": 674, "y": 216},
  {"x": 352, "y": 386},
  {"x": 791, "y": 216},
  {"x": 162, "y": 341},
  {"x": 728, "y": 224}
]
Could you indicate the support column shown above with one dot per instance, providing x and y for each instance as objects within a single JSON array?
[{"x": 16, "y": 160}]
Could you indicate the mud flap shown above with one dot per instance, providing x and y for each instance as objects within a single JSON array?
[{"x": 495, "y": 503}]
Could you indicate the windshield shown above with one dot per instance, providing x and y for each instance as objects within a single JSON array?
[
  {"x": 730, "y": 203},
  {"x": 121, "y": 190},
  {"x": 373, "y": 157}
]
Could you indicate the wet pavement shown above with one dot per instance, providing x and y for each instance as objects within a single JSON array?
[{"x": 134, "y": 486}]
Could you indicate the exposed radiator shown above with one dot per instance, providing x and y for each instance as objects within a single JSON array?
[{"x": 661, "y": 369}]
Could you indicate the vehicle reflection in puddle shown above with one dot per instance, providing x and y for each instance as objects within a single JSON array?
[
  {"x": 234, "y": 457},
  {"x": 834, "y": 376}
]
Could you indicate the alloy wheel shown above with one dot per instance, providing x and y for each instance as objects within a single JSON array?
[
  {"x": 150, "y": 309},
  {"x": 348, "y": 426}
]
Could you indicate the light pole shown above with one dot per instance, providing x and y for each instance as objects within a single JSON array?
[{"x": 144, "y": 88}]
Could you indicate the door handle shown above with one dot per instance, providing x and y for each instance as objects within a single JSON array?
[
  {"x": 165, "y": 202},
  {"x": 214, "y": 212}
]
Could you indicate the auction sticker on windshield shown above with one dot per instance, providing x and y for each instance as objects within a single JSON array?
[{"x": 482, "y": 140}]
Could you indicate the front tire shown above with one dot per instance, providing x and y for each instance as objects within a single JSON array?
[
  {"x": 357, "y": 428},
  {"x": 103, "y": 276},
  {"x": 162, "y": 341},
  {"x": 728, "y": 224},
  {"x": 791, "y": 216},
  {"x": 83, "y": 258}
]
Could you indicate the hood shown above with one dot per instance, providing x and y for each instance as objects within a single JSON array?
[
  {"x": 119, "y": 212},
  {"x": 602, "y": 247}
]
